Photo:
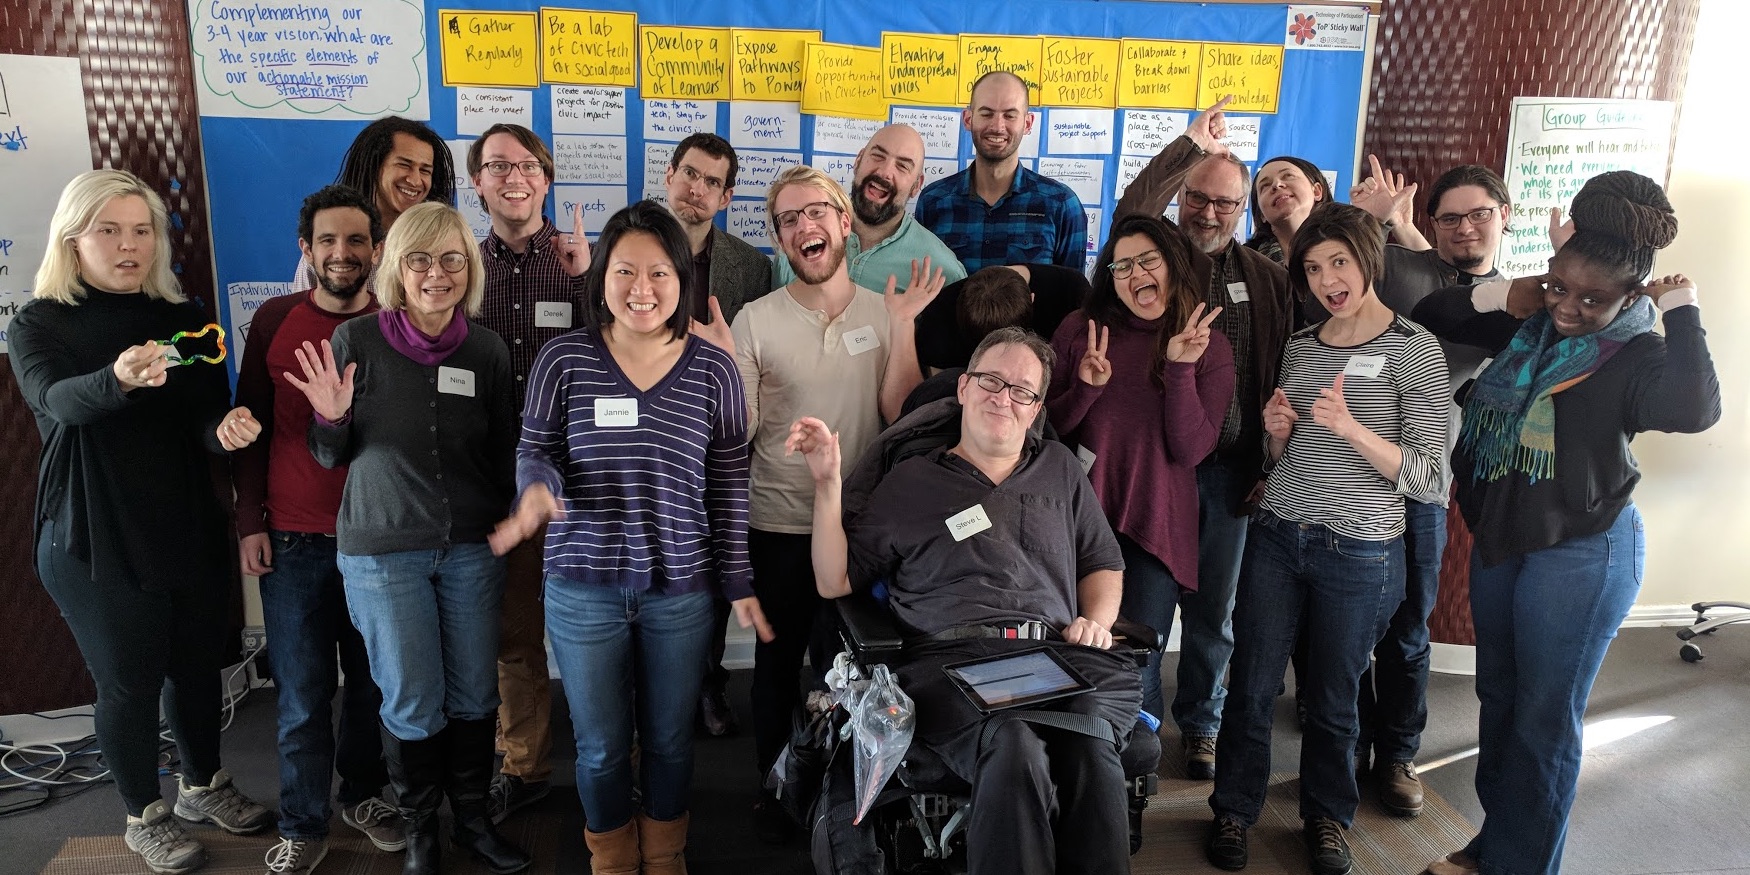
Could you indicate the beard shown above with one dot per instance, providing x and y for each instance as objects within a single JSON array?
[
  {"x": 1468, "y": 263},
  {"x": 1208, "y": 241},
  {"x": 348, "y": 291},
  {"x": 871, "y": 212},
  {"x": 809, "y": 275}
]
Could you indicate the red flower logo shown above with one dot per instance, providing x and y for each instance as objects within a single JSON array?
[{"x": 1305, "y": 27}]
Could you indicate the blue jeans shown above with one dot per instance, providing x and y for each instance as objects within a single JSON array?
[
  {"x": 1150, "y": 596},
  {"x": 1206, "y": 629},
  {"x": 1346, "y": 588},
  {"x": 1394, "y": 692},
  {"x": 1543, "y": 621},
  {"x": 430, "y": 623},
  {"x": 621, "y": 650},
  {"x": 303, "y": 603}
]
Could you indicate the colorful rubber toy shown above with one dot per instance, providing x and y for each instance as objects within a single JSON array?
[{"x": 177, "y": 358}]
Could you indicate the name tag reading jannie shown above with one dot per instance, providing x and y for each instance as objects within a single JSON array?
[
  {"x": 616, "y": 412},
  {"x": 968, "y": 522},
  {"x": 1236, "y": 292},
  {"x": 455, "y": 381},
  {"x": 552, "y": 314},
  {"x": 862, "y": 340},
  {"x": 1364, "y": 366}
]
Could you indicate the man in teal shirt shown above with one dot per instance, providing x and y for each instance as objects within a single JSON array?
[{"x": 885, "y": 239}]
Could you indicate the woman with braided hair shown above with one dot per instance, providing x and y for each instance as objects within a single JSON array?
[{"x": 1545, "y": 481}]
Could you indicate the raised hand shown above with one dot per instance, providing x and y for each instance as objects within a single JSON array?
[
  {"x": 818, "y": 445},
  {"x": 1209, "y": 129},
  {"x": 923, "y": 288},
  {"x": 141, "y": 366},
  {"x": 717, "y": 333},
  {"x": 1385, "y": 195},
  {"x": 1332, "y": 412},
  {"x": 1094, "y": 369},
  {"x": 749, "y": 616},
  {"x": 238, "y": 429},
  {"x": 1657, "y": 288},
  {"x": 1279, "y": 416},
  {"x": 536, "y": 508},
  {"x": 1559, "y": 231},
  {"x": 1525, "y": 295},
  {"x": 325, "y": 385},
  {"x": 1189, "y": 344},
  {"x": 573, "y": 248}
]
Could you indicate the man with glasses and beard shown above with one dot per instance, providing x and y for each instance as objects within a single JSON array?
[
  {"x": 885, "y": 239},
  {"x": 699, "y": 183}
]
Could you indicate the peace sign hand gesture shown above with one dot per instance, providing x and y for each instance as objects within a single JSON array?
[
  {"x": 1094, "y": 369},
  {"x": 1187, "y": 346}
]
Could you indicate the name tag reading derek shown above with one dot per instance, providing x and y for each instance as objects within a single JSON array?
[
  {"x": 1236, "y": 292},
  {"x": 552, "y": 314},
  {"x": 455, "y": 381},
  {"x": 862, "y": 340},
  {"x": 616, "y": 412},
  {"x": 968, "y": 522},
  {"x": 1364, "y": 366}
]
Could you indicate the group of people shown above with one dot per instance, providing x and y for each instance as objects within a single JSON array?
[{"x": 445, "y": 452}]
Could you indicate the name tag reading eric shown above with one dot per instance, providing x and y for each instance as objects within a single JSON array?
[
  {"x": 616, "y": 412},
  {"x": 552, "y": 314},
  {"x": 1236, "y": 292},
  {"x": 862, "y": 340},
  {"x": 456, "y": 381},
  {"x": 968, "y": 522},
  {"x": 1364, "y": 366}
]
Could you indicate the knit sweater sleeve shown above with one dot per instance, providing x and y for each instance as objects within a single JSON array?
[
  {"x": 1421, "y": 380},
  {"x": 1678, "y": 391},
  {"x": 726, "y": 477},
  {"x": 1196, "y": 401},
  {"x": 50, "y": 379},
  {"x": 1070, "y": 398}
]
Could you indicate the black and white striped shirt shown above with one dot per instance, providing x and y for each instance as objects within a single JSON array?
[{"x": 1395, "y": 385}]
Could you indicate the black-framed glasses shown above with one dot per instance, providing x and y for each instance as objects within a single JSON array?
[
  {"x": 451, "y": 262},
  {"x": 712, "y": 183},
  {"x": 993, "y": 384},
  {"x": 1197, "y": 200},
  {"x": 1147, "y": 261},
  {"x": 1449, "y": 221},
  {"x": 816, "y": 212},
  {"x": 526, "y": 168}
]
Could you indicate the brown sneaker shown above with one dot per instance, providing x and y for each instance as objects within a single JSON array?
[
  {"x": 1200, "y": 757},
  {"x": 1400, "y": 791}
]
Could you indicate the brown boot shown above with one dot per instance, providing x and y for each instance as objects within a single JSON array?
[
  {"x": 614, "y": 852},
  {"x": 663, "y": 844}
]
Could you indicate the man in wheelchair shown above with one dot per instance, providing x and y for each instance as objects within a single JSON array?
[{"x": 994, "y": 543}]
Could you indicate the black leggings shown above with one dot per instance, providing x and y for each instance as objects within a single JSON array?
[{"x": 142, "y": 647}]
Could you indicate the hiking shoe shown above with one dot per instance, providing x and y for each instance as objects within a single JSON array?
[
  {"x": 379, "y": 821},
  {"x": 1400, "y": 791},
  {"x": 162, "y": 841},
  {"x": 1200, "y": 757},
  {"x": 1326, "y": 847},
  {"x": 511, "y": 794},
  {"x": 1226, "y": 846},
  {"x": 296, "y": 856},
  {"x": 221, "y": 805}
]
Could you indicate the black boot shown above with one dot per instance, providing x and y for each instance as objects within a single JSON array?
[
  {"x": 468, "y": 754},
  {"x": 416, "y": 768}
]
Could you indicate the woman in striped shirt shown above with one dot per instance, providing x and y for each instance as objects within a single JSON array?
[
  {"x": 634, "y": 453},
  {"x": 1358, "y": 423}
]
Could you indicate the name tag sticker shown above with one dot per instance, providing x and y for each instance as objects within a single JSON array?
[
  {"x": 616, "y": 412},
  {"x": 1364, "y": 366},
  {"x": 1086, "y": 456},
  {"x": 1236, "y": 292},
  {"x": 862, "y": 340},
  {"x": 968, "y": 522},
  {"x": 456, "y": 381},
  {"x": 552, "y": 314}
]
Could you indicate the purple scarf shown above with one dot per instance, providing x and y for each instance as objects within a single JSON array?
[{"x": 428, "y": 351}]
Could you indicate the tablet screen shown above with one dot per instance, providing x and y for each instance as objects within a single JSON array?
[{"x": 1017, "y": 679}]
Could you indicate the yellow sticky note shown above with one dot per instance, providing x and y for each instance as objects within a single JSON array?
[
  {"x": 493, "y": 49},
  {"x": 982, "y": 53},
  {"x": 582, "y": 47},
  {"x": 685, "y": 62},
  {"x": 1251, "y": 73},
  {"x": 921, "y": 68},
  {"x": 1158, "y": 74},
  {"x": 768, "y": 63},
  {"x": 842, "y": 80},
  {"x": 1078, "y": 71}
]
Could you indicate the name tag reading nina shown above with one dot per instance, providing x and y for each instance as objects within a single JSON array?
[
  {"x": 616, "y": 412},
  {"x": 552, "y": 314},
  {"x": 968, "y": 522},
  {"x": 456, "y": 381},
  {"x": 862, "y": 340}
]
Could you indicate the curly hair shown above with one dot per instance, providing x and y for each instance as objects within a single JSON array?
[{"x": 1621, "y": 220}]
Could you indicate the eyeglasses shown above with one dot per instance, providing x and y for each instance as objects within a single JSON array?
[
  {"x": 712, "y": 183},
  {"x": 526, "y": 168},
  {"x": 816, "y": 212},
  {"x": 1197, "y": 200},
  {"x": 993, "y": 384},
  {"x": 1147, "y": 261},
  {"x": 1450, "y": 221},
  {"x": 420, "y": 262}
]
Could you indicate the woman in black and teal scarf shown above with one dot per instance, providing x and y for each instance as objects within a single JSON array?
[{"x": 1545, "y": 481}]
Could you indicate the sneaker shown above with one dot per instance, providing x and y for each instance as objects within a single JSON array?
[
  {"x": 717, "y": 715},
  {"x": 296, "y": 856},
  {"x": 1326, "y": 847},
  {"x": 1200, "y": 757},
  {"x": 379, "y": 821},
  {"x": 163, "y": 842},
  {"x": 511, "y": 794},
  {"x": 1400, "y": 791},
  {"x": 1225, "y": 847},
  {"x": 1455, "y": 863},
  {"x": 221, "y": 805}
]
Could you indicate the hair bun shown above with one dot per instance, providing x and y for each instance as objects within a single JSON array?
[{"x": 1626, "y": 206}]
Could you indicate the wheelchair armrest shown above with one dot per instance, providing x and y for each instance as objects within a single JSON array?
[
  {"x": 1139, "y": 638},
  {"x": 869, "y": 629}
]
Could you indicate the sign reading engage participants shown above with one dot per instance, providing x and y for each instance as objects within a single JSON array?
[{"x": 310, "y": 58}]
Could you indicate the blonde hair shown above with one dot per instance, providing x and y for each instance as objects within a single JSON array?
[
  {"x": 802, "y": 174},
  {"x": 418, "y": 230},
  {"x": 57, "y": 278}
]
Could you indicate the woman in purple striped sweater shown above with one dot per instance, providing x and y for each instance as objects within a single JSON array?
[
  {"x": 1140, "y": 389},
  {"x": 634, "y": 455}
]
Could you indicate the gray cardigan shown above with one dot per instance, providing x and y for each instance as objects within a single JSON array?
[{"x": 428, "y": 468}]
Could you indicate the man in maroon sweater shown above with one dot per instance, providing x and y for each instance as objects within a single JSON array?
[{"x": 286, "y": 506}]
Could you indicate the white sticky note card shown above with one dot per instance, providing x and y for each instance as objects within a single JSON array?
[
  {"x": 552, "y": 314},
  {"x": 598, "y": 203},
  {"x": 758, "y": 169},
  {"x": 758, "y": 124},
  {"x": 862, "y": 340},
  {"x": 846, "y": 136},
  {"x": 673, "y": 120},
  {"x": 842, "y": 168},
  {"x": 1030, "y": 143},
  {"x": 656, "y": 158},
  {"x": 590, "y": 160},
  {"x": 467, "y": 199},
  {"x": 455, "y": 381},
  {"x": 1364, "y": 366},
  {"x": 747, "y": 220},
  {"x": 588, "y": 109},
  {"x": 1086, "y": 457},
  {"x": 1243, "y": 133},
  {"x": 940, "y": 129},
  {"x": 1079, "y": 132},
  {"x": 1236, "y": 292},
  {"x": 1129, "y": 167},
  {"x": 968, "y": 522},
  {"x": 1147, "y": 132},
  {"x": 480, "y": 108},
  {"x": 1083, "y": 175},
  {"x": 616, "y": 412}
]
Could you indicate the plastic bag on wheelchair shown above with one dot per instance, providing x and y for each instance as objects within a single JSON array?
[{"x": 882, "y": 722}]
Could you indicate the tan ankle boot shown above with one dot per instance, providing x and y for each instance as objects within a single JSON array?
[
  {"x": 663, "y": 844},
  {"x": 614, "y": 852}
]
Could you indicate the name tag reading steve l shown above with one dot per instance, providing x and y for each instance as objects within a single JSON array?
[
  {"x": 616, "y": 412},
  {"x": 968, "y": 522},
  {"x": 552, "y": 314},
  {"x": 1364, "y": 366},
  {"x": 456, "y": 381},
  {"x": 862, "y": 340}
]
